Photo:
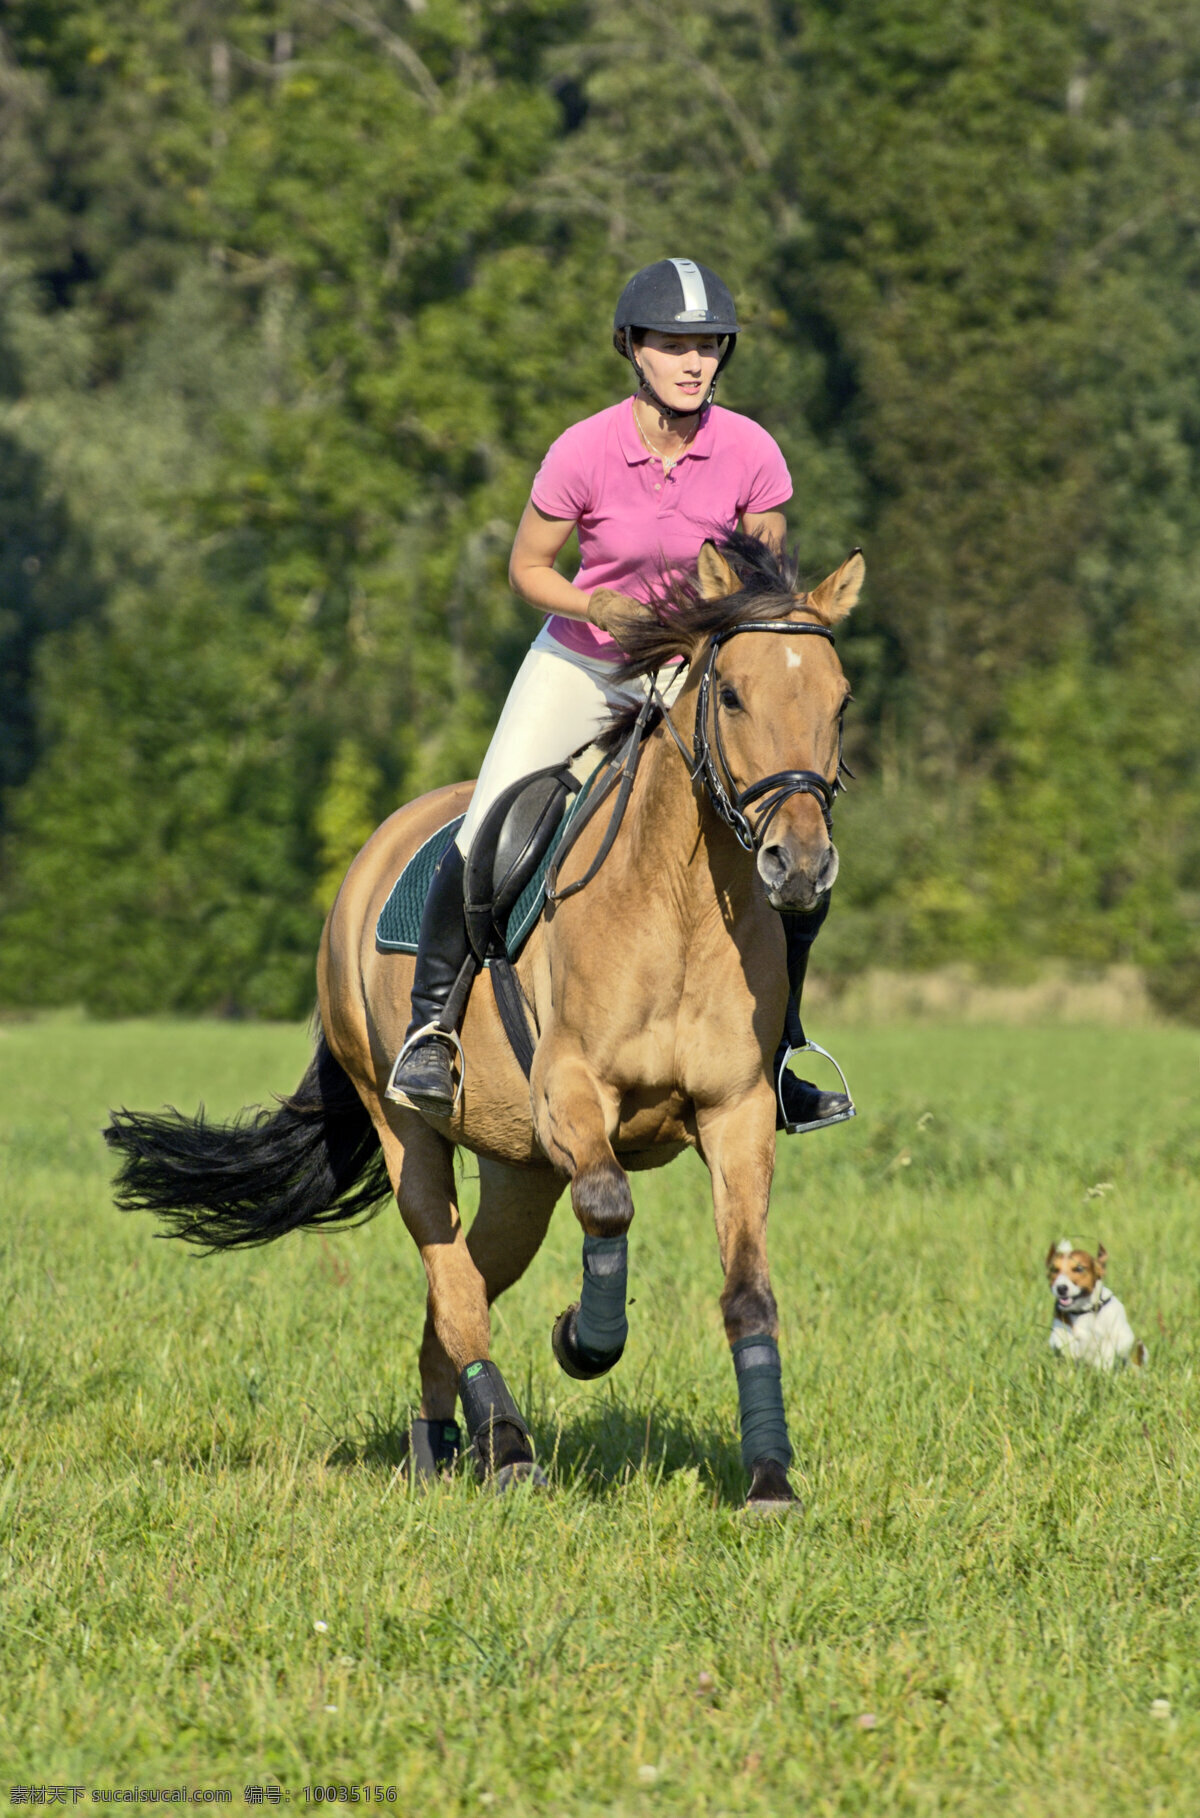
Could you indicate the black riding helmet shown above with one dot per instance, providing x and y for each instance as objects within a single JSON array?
[{"x": 670, "y": 297}]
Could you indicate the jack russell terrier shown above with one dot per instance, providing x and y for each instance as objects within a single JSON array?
[{"x": 1090, "y": 1324}]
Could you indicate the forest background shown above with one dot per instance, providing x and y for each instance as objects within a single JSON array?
[{"x": 293, "y": 298}]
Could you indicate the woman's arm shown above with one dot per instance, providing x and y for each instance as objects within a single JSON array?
[
  {"x": 771, "y": 526},
  {"x": 532, "y": 574},
  {"x": 539, "y": 538}
]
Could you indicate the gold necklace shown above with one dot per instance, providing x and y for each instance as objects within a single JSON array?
[{"x": 668, "y": 461}]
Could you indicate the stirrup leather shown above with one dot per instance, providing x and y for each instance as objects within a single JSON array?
[
  {"x": 397, "y": 1093},
  {"x": 819, "y": 1123}
]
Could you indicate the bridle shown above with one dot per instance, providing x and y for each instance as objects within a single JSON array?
[
  {"x": 714, "y": 772},
  {"x": 709, "y": 764}
]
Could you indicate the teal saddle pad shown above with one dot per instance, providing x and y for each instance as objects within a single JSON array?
[{"x": 399, "y": 921}]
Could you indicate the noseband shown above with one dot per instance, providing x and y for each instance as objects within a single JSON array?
[{"x": 773, "y": 791}]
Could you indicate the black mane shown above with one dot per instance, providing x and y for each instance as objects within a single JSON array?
[{"x": 684, "y": 620}]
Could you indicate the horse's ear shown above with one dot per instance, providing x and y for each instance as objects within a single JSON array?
[
  {"x": 716, "y": 577},
  {"x": 838, "y": 593}
]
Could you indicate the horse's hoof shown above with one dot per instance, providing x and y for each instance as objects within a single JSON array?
[
  {"x": 761, "y": 1510},
  {"x": 524, "y": 1471},
  {"x": 771, "y": 1496},
  {"x": 503, "y": 1454},
  {"x": 575, "y": 1359}
]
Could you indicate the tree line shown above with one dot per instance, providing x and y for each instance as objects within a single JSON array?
[{"x": 293, "y": 297}]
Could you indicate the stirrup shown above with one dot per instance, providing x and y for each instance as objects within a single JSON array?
[
  {"x": 819, "y": 1123},
  {"x": 397, "y": 1094}
]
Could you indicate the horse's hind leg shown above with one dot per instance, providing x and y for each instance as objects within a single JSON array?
[
  {"x": 421, "y": 1166},
  {"x": 738, "y": 1146},
  {"x": 515, "y": 1207}
]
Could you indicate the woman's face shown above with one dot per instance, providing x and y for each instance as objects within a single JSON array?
[{"x": 680, "y": 368}]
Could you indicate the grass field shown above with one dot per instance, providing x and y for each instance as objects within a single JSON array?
[{"x": 214, "y": 1576}]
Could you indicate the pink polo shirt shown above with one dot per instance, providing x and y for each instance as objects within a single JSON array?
[{"x": 639, "y": 526}]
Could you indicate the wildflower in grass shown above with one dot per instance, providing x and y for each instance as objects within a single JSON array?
[
  {"x": 647, "y": 1774},
  {"x": 322, "y": 1628}
]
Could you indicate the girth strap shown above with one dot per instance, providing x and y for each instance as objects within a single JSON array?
[{"x": 515, "y": 1012}]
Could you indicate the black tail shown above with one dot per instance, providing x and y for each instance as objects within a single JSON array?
[{"x": 314, "y": 1161}]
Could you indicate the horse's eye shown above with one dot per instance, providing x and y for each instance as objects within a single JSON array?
[{"x": 730, "y": 697}]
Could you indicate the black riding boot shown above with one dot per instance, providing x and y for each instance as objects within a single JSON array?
[
  {"x": 424, "y": 1072},
  {"x": 800, "y": 1105}
]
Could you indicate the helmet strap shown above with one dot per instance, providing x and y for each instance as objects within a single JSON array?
[
  {"x": 666, "y": 410},
  {"x": 645, "y": 385}
]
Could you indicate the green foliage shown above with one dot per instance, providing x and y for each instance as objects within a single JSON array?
[
  {"x": 203, "y": 817},
  {"x": 997, "y": 1562},
  {"x": 297, "y": 298},
  {"x": 344, "y": 818},
  {"x": 46, "y": 575}
]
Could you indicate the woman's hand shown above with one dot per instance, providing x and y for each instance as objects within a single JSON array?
[{"x": 609, "y": 610}]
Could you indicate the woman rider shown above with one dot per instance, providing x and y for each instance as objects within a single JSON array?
[{"x": 644, "y": 483}]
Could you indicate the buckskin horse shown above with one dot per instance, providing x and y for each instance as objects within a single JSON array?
[{"x": 657, "y": 995}]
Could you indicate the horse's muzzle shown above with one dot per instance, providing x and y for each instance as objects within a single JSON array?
[{"x": 797, "y": 879}]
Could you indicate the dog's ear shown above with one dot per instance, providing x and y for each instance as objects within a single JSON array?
[
  {"x": 1101, "y": 1259},
  {"x": 1052, "y": 1261}
]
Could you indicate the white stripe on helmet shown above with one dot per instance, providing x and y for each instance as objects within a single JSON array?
[{"x": 695, "y": 297}]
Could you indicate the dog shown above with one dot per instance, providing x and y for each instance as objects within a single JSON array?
[{"x": 1090, "y": 1324}]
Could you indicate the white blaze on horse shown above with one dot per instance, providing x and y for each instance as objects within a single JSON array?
[{"x": 656, "y": 996}]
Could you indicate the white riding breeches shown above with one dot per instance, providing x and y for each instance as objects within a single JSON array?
[{"x": 558, "y": 703}]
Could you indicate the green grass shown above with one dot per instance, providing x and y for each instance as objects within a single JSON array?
[{"x": 998, "y": 1565}]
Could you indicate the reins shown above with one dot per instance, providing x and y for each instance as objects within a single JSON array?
[
  {"x": 623, "y": 769},
  {"x": 729, "y": 802}
]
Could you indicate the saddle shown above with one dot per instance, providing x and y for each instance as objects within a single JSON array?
[
  {"x": 503, "y": 887},
  {"x": 516, "y": 834}
]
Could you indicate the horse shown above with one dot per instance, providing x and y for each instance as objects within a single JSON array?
[{"x": 657, "y": 995}]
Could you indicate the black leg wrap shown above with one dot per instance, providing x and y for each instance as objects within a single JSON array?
[
  {"x": 433, "y": 1447},
  {"x": 602, "y": 1327},
  {"x": 590, "y": 1336},
  {"x": 760, "y": 1401},
  {"x": 498, "y": 1434}
]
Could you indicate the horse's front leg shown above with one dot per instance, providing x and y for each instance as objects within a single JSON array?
[
  {"x": 738, "y": 1145},
  {"x": 576, "y": 1114}
]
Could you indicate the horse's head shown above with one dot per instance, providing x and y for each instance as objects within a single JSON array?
[
  {"x": 769, "y": 715},
  {"x": 768, "y": 694}
]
